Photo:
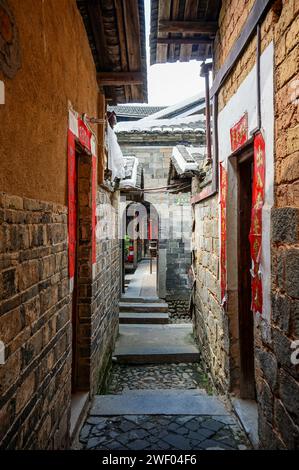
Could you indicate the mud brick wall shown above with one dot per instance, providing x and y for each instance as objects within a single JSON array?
[
  {"x": 35, "y": 381},
  {"x": 105, "y": 288}
]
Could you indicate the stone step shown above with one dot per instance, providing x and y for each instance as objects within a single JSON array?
[
  {"x": 156, "y": 344},
  {"x": 149, "y": 307},
  {"x": 143, "y": 317},
  {"x": 140, "y": 299},
  {"x": 159, "y": 402}
]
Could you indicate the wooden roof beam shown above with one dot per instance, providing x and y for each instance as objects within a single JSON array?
[
  {"x": 119, "y": 78},
  {"x": 196, "y": 27},
  {"x": 191, "y": 41}
]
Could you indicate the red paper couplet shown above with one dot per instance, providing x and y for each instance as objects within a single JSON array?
[
  {"x": 85, "y": 138},
  {"x": 72, "y": 203},
  {"x": 223, "y": 194},
  {"x": 255, "y": 235},
  {"x": 84, "y": 135},
  {"x": 94, "y": 207}
]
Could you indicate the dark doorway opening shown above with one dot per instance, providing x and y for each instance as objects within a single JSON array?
[
  {"x": 81, "y": 299},
  {"x": 246, "y": 321}
]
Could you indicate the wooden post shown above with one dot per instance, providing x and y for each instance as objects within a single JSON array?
[{"x": 101, "y": 137}]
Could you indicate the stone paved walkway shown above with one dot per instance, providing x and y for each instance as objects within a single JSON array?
[
  {"x": 157, "y": 432},
  {"x": 164, "y": 376},
  {"x": 142, "y": 282},
  {"x": 162, "y": 433},
  {"x": 179, "y": 412}
]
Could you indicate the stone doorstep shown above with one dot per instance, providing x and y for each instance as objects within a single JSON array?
[
  {"x": 247, "y": 412},
  {"x": 159, "y": 402},
  {"x": 79, "y": 408},
  {"x": 143, "y": 307},
  {"x": 143, "y": 317},
  {"x": 150, "y": 357},
  {"x": 125, "y": 298}
]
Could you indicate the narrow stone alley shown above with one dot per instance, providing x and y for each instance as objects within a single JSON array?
[
  {"x": 149, "y": 229},
  {"x": 157, "y": 397}
]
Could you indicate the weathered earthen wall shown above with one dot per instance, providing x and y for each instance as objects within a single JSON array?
[
  {"x": 35, "y": 327},
  {"x": 57, "y": 68}
]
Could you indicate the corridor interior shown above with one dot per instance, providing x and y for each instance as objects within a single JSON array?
[{"x": 157, "y": 395}]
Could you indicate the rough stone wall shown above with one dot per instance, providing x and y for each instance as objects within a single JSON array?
[
  {"x": 276, "y": 376},
  {"x": 175, "y": 215},
  {"x": 210, "y": 322},
  {"x": 106, "y": 289},
  {"x": 56, "y": 68},
  {"x": 35, "y": 326}
]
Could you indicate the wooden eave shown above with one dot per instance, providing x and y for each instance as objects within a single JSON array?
[
  {"x": 116, "y": 34},
  {"x": 183, "y": 30}
]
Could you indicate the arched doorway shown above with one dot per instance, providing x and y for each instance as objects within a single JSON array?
[{"x": 141, "y": 248}]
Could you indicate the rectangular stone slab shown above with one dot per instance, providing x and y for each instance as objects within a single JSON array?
[
  {"x": 143, "y": 307},
  {"x": 143, "y": 317},
  {"x": 158, "y": 402},
  {"x": 148, "y": 344}
]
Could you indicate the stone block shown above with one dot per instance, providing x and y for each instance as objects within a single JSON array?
[
  {"x": 38, "y": 235},
  {"x": 285, "y": 225},
  {"x": 289, "y": 394},
  {"x": 7, "y": 414},
  {"x": 295, "y": 318},
  {"x": 288, "y": 168},
  {"x": 31, "y": 310},
  {"x": 268, "y": 438},
  {"x": 282, "y": 349},
  {"x": 10, "y": 371},
  {"x": 281, "y": 310},
  {"x": 8, "y": 283},
  {"x": 28, "y": 274},
  {"x": 48, "y": 298},
  {"x": 25, "y": 392},
  {"x": 292, "y": 272},
  {"x": 268, "y": 365},
  {"x": 48, "y": 266},
  {"x": 293, "y": 138},
  {"x": 11, "y": 323},
  {"x": 32, "y": 348},
  {"x": 286, "y": 426}
]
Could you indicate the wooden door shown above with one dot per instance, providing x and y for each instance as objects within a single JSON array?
[{"x": 246, "y": 325}]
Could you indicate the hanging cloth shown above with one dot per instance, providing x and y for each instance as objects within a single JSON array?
[{"x": 115, "y": 157}]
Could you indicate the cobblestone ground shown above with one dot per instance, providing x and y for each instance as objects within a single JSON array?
[
  {"x": 157, "y": 432},
  {"x": 164, "y": 376},
  {"x": 162, "y": 433},
  {"x": 179, "y": 318}
]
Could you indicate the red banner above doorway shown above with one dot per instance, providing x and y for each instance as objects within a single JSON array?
[{"x": 239, "y": 133}]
